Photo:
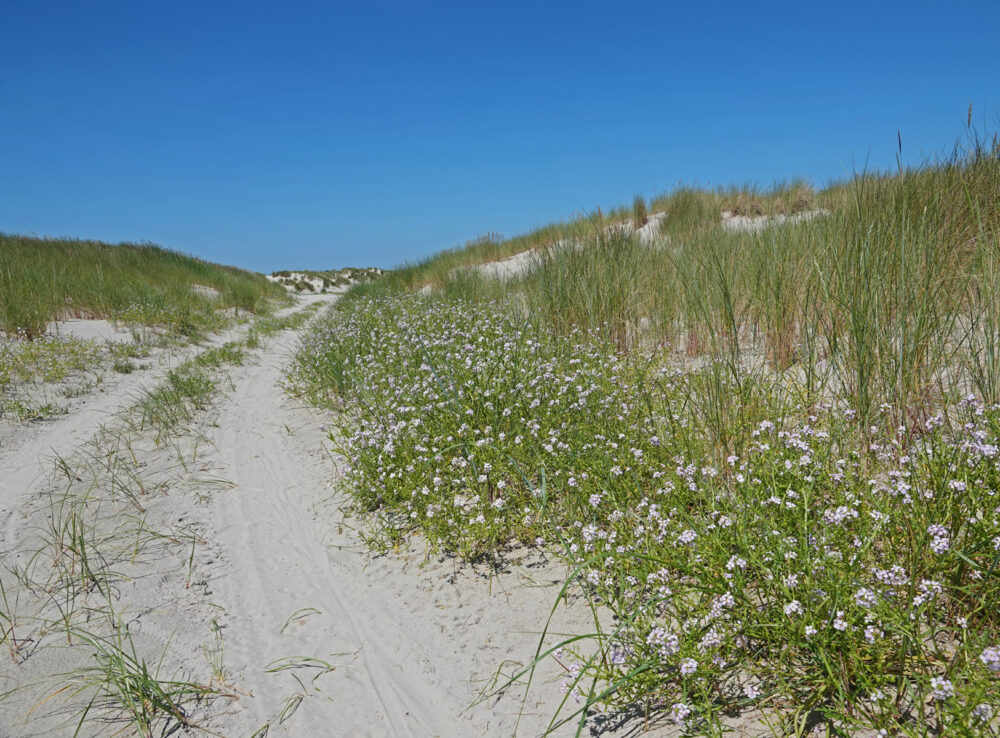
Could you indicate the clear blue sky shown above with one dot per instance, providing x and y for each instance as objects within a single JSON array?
[{"x": 282, "y": 135}]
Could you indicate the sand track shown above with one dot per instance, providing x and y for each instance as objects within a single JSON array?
[
  {"x": 271, "y": 540},
  {"x": 25, "y": 449}
]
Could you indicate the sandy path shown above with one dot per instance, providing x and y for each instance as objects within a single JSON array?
[
  {"x": 413, "y": 642},
  {"x": 278, "y": 563},
  {"x": 26, "y": 450}
]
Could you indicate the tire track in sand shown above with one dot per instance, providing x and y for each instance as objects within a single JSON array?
[{"x": 278, "y": 560}]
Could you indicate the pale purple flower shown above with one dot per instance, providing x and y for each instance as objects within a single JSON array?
[
  {"x": 942, "y": 688},
  {"x": 865, "y": 597},
  {"x": 687, "y": 537},
  {"x": 991, "y": 658},
  {"x": 735, "y": 562},
  {"x": 679, "y": 713},
  {"x": 836, "y": 516},
  {"x": 665, "y": 642},
  {"x": 894, "y": 576},
  {"x": 942, "y": 540},
  {"x": 793, "y": 608},
  {"x": 720, "y": 604},
  {"x": 873, "y": 633}
]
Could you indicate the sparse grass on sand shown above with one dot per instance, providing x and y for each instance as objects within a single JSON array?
[
  {"x": 100, "y": 532},
  {"x": 769, "y": 458}
]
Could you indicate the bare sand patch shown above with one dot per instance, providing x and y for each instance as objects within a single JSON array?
[
  {"x": 96, "y": 329},
  {"x": 203, "y": 290},
  {"x": 755, "y": 223}
]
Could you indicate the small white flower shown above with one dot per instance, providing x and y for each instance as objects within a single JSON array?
[
  {"x": 991, "y": 658},
  {"x": 735, "y": 562},
  {"x": 687, "y": 537},
  {"x": 941, "y": 688},
  {"x": 793, "y": 608},
  {"x": 679, "y": 713}
]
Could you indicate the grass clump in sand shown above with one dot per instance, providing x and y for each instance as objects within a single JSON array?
[
  {"x": 124, "y": 688},
  {"x": 36, "y": 375},
  {"x": 45, "y": 360}
]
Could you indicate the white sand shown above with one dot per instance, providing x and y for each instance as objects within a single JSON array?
[
  {"x": 755, "y": 223},
  {"x": 203, "y": 290},
  {"x": 91, "y": 329},
  {"x": 650, "y": 232},
  {"x": 521, "y": 263},
  {"x": 509, "y": 268}
]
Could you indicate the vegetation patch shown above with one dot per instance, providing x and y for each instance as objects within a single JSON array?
[
  {"x": 43, "y": 280},
  {"x": 769, "y": 458},
  {"x": 311, "y": 280}
]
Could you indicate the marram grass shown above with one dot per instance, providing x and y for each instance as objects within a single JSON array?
[{"x": 42, "y": 280}]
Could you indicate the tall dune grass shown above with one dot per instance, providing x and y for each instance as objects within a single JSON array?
[
  {"x": 887, "y": 296},
  {"x": 42, "y": 280}
]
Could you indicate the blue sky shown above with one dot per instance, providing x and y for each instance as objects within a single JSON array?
[{"x": 286, "y": 135}]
